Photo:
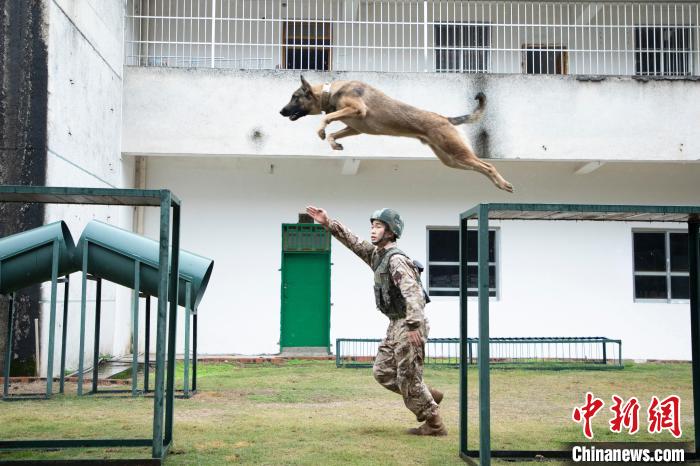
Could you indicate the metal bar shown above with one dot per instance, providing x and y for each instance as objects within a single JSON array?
[
  {"x": 605, "y": 353},
  {"x": 147, "y": 349},
  {"x": 73, "y": 443},
  {"x": 83, "y": 299},
  {"x": 465, "y": 346},
  {"x": 8, "y": 348},
  {"x": 213, "y": 32},
  {"x": 188, "y": 316},
  {"x": 164, "y": 260},
  {"x": 96, "y": 347},
  {"x": 194, "y": 351},
  {"x": 135, "y": 329},
  {"x": 52, "y": 319},
  {"x": 483, "y": 296},
  {"x": 694, "y": 277},
  {"x": 62, "y": 375},
  {"x": 172, "y": 334}
]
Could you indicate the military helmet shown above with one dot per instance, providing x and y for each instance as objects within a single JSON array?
[{"x": 391, "y": 217}]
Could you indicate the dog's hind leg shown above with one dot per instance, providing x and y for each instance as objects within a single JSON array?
[
  {"x": 343, "y": 133},
  {"x": 461, "y": 156}
]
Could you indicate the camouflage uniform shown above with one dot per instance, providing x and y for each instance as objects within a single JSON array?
[{"x": 399, "y": 364}]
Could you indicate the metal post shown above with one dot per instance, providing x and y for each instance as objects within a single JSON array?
[
  {"x": 194, "y": 350},
  {"x": 135, "y": 329},
  {"x": 96, "y": 347},
  {"x": 425, "y": 35},
  {"x": 83, "y": 298},
  {"x": 52, "y": 319},
  {"x": 172, "y": 325},
  {"x": 213, "y": 32},
  {"x": 483, "y": 294},
  {"x": 464, "y": 344},
  {"x": 337, "y": 352},
  {"x": 605, "y": 353},
  {"x": 147, "y": 349},
  {"x": 8, "y": 348},
  {"x": 694, "y": 277},
  {"x": 186, "y": 380},
  {"x": 62, "y": 375},
  {"x": 164, "y": 260}
]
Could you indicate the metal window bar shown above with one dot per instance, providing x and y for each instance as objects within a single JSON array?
[
  {"x": 525, "y": 352},
  {"x": 504, "y": 37}
]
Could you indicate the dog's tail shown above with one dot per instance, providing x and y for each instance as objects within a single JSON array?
[{"x": 475, "y": 115}]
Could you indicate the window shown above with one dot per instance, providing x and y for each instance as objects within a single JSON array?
[
  {"x": 443, "y": 262},
  {"x": 662, "y": 51},
  {"x": 307, "y": 45},
  {"x": 546, "y": 59},
  {"x": 462, "y": 48},
  {"x": 661, "y": 265}
]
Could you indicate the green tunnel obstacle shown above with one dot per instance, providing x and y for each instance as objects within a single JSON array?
[
  {"x": 120, "y": 256},
  {"x": 28, "y": 258},
  {"x": 112, "y": 254}
]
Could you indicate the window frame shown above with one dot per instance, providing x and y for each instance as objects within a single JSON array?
[
  {"x": 546, "y": 48},
  {"x": 661, "y": 51},
  {"x": 495, "y": 263},
  {"x": 316, "y": 46},
  {"x": 667, "y": 273},
  {"x": 485, "y": 49}
]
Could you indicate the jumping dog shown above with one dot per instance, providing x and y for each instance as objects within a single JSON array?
[{"x": 365, "y": 109}]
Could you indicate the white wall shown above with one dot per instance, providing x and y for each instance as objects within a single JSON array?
[
  {"x": 567, "y": 278},
  {"x": 220, "y": 112},
  {"x": 84, "y": 136}
]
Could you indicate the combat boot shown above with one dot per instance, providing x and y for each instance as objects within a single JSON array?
[
  {"x": 433, "y": 426},
  {"x": 437, "y": 394}
]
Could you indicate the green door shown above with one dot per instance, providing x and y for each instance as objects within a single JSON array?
[{"x": 306, "y": 289}]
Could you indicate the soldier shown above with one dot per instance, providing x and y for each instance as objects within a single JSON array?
[{"x": 399, "y": 295}]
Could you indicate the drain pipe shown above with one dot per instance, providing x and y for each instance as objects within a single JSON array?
[{"x": 140, "y": 182}]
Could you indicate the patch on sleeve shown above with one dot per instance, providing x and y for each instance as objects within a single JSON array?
[{"x": 397, "y": 277}]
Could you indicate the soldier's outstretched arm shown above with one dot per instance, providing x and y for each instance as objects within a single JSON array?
[
  {"x": 362, "y": 248},
  {"x": 405, "y": 277}
]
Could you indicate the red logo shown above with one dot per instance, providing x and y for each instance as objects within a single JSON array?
[
  {"x": 586, "y": 413},
  {"x": 626, "y": 416},
  {"x": 662, "y": 415},
  {"x": 665, "y": 415}
]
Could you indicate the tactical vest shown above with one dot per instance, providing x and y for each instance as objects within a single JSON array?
[{"x": 386, "y": 294}]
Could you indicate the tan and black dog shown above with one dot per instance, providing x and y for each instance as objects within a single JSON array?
[{"x": 365, "y": 109}]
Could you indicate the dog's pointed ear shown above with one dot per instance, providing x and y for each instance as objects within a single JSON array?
[{"x": 305, "y": 84}]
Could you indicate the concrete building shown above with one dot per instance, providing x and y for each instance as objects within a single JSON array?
[{"x": 587, "y": 103}]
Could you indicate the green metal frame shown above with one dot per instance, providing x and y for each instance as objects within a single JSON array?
[
  {"x": 628, "y": 213},
  {"x": 187, "y": 391},
  {"x": 8, "y": 351},
  {"x": 163, "y": 401}
]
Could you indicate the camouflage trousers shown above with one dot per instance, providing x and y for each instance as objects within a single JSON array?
[{"x": 399, "y": 368}]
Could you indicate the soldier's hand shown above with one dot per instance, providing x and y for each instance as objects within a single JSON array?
[
  {"x": 318, "y": 214},
  {"x": 415, "y": 338}
]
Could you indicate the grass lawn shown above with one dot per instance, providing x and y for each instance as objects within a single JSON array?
[{"x": 312, "y": 413}]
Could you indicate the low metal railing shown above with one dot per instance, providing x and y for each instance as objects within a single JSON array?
[{"x": 538, "y": 352}]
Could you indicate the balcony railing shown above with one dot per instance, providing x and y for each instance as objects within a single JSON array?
[{"x": 577, "y": 38}]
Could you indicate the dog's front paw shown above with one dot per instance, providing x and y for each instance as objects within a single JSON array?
[
  {"x": 336, "y": 146},
  {"x": 322, "y": 133}
]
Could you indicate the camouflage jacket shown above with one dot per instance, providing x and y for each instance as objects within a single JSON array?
[{"x": 403, "y": 273}]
